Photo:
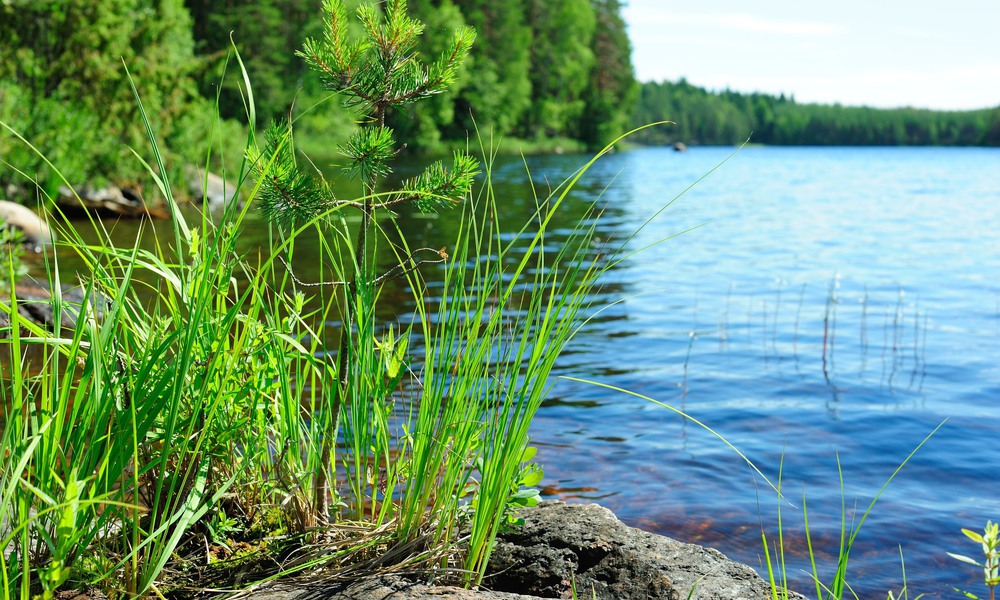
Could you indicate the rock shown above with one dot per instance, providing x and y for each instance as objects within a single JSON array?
[
  {"x": 210, "y": 188},
  {"x": 108, "y": 200},
  {"x": 606, "y": 559},
  {"x": 36, "y": 231},
  {"x": 385, "y": 587},
  {"x": 563, "y": 545},
  {"x": 680, "y": 147},
  {"x": 35, "y": 304}
]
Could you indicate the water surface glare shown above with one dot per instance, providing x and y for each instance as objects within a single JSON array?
[{"x": 830, "y": 302}]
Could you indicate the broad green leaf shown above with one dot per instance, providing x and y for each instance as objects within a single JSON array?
[{"x": 533, "y": 478}]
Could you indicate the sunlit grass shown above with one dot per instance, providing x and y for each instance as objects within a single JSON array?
[{"x": 193, "y": 400}]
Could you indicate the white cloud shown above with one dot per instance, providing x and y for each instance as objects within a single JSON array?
[{"x": 752, "y": 24}]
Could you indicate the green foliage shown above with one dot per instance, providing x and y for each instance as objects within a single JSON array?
[
  {"x": 561, "y": 61},
  {"x": 499, "y": 93},
  {"x": 989, "y": 541},
  {"x": 65, "y": 88},
  {"x": 287, "y": 194},
  {"x": 538, "y": 71},
  {"x": 729, "y": 117},
  {"x": 382, "y": 70},
  {"x": 266, "y": 32},
  {"x": 612, "y": 82},
  {"x": 423, "y": 125},
  {"x": 369, "y": 152},
  {"x": 437, "y": 187}
]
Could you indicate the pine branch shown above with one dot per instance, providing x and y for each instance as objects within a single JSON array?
[
  {"x": 286, "y": 193},
  {"x": 438, "y": 187},
  {"x": 369, "y": 151}
]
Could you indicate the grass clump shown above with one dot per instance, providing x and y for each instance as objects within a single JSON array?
[{"x": 195, "y": 426}]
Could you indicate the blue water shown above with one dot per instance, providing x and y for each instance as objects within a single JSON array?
[{"x": 830, "y": 302}]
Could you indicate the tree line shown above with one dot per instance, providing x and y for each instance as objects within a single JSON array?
[
  {"x": 728, "y": 117},
  {"x": 540, "y": 70}
]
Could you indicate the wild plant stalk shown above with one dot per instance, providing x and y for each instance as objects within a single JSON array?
[
  {"x": 377, "y": 73},
  {"x": 989, "y": 541}
]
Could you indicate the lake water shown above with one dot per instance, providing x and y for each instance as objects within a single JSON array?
[
  {"x": 828, "y": 302},
  {"x": 835, "y": 302}
]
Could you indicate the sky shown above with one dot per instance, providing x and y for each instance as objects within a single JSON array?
[{"x": 886, "y": 53}]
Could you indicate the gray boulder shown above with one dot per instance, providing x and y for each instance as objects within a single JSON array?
[
  {"x": 588, "y": 546},
  {"x": 561, "y": 546},
  {"x": 16, "y": 216},
  {"x": 210, "y": 188}
]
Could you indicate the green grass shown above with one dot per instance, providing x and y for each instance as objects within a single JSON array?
[
  {"x": 195, "y": 408},
  {"x": 835, "y": 585}
]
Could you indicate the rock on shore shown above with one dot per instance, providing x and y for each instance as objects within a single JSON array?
[
  {"x": 561, "y": 545},
  {"x": 35, "y": 230}
]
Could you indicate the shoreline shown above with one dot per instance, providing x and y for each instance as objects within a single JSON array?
[{"x": 564, "y": 551}]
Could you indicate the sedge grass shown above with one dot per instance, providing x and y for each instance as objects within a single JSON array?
[{"x": 194, "y": 384}]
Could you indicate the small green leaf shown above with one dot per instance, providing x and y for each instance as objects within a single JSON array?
[
  {"x": 964, "y": 559},
  {"x": 526, "y": 498},
  {"x": 532, "y": 479},
  {"x": 972, "y": 535}
]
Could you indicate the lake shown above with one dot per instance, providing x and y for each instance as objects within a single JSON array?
[
  {"x": 821, "y": 303},
  {"x": 831, "y": 302}
]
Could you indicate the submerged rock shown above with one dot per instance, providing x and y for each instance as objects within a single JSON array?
[{"x": 563, "y": 546}]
